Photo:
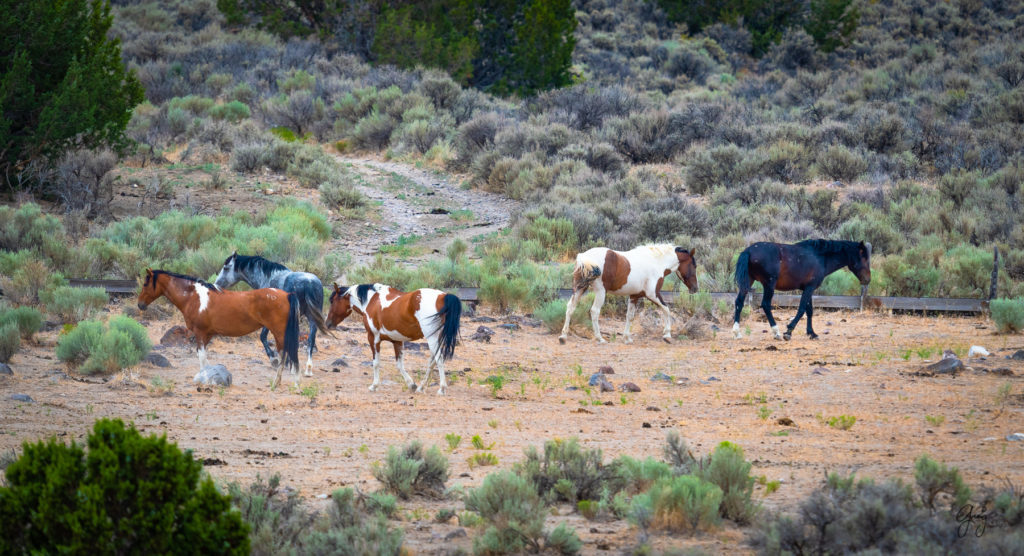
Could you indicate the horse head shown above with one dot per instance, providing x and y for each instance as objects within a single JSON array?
[
  {"x": 340, "y": 308},
  {"x": 687, "y": 269},
  {"x": 861, "y": 264},
  {"x": 150, "y": 290},
  {"x": 228, "y": 276}
]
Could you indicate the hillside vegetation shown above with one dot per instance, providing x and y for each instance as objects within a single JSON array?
[{"x": 908, "y": 135}]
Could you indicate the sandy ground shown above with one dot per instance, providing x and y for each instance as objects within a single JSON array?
[{"x": 864, "y": 365}]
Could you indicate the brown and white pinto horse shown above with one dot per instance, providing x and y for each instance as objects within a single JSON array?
[
  {"x": 210, "y": 311},
  {"x": 638, "y": 273},
  {"x": 398, "y": 317}
]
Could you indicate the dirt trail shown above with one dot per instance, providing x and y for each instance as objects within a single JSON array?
[{"x": 420, "y": 207}]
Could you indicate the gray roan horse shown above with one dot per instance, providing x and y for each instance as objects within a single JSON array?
[{"x": 261, "y": 273}]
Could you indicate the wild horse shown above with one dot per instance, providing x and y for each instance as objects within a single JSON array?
[
  {"x": 210, "y": 311},
  {"x": 638, "y": 273},
  {"x": 802, "y": 266},
  {"x": 262, "y": 273},
  {"x": 398, "y": 317}
]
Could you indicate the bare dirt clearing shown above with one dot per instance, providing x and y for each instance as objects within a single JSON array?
[{"x": 328, "y": 432}]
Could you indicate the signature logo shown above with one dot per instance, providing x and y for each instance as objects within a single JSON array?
[{"x": 979, "y": 521}]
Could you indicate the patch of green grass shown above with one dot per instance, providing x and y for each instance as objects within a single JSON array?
[
  {"x": 764, "y": 412},
  {"x": 769, "y": 486},
  {"x": 478, "y": 443},
  {"x": 453, "y": 441},
  {"x": 842, "y": 422},
  {"x": 935, "y": 420},
  {"x": 482, "y": 459}
]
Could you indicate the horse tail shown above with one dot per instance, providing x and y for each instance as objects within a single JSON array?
[
  {"x": 291, "y": 333},
  {"x": 584, "y": 274},
  {"x": 743, "y": 271},
  {"x": 311, "y": 303},
  {"x": 451, "y": 312}
]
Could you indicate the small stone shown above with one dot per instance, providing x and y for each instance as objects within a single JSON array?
[
  {"x": 6, "y": 370},
  {"x": 22, "y": 398},
  {"x": 785, "y": 421},
  {"x": 339, "y": 362},
  {"x": 412, "y": 346},
  {"x": 1018, "y": 355},
  {"x": 1002, "y": 371},
  {"x": 213, "y": 375},
  {"x": 456, "y": 534},
  {"x": 1015, "y": 437},
  {"x": 605, "y": 369},
  {"x": 653, "y": 408},
  {"x": 714, "y": 379},
  {"x": 944, "y": 366},
  {"x": 484, "y": 318},
  {"x": 661, "y": 376},
  {"x": 322, "y": 496},
  {"x": 645, "y": 425},
  {"x": 948, "y": 354},
  {"x": 628, "y": 387},
  {"x": 482, "y": 334},
  {"x": 510, "y": 326},
  {"x": 977, "y": 351},
  {"x": 158, "y": 360},
  {"x": 177, "y": 336},
  {"x": 819, "y": 371}
]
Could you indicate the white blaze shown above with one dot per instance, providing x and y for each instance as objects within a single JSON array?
[{"x": 204, "y": 296}]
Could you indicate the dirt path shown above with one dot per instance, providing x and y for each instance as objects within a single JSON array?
[{"x": 423, "y": 209}]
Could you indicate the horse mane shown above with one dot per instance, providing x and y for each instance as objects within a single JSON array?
[
  {"x": 658, "y": 249},
  {"x": 266, "y": 266},
  {"x": 208, "y": 285},
  {"x": 363, "y": 293},
  {"x": 829, "y": 246}
]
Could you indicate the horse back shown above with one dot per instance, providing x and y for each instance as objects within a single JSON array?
[
  {"x": 232, "y": 313},
  {"x": 394, "y": 314},
  {"x": 792, "y": 266}
]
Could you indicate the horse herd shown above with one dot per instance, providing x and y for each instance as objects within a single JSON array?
[{"x": 282, "y": 296}]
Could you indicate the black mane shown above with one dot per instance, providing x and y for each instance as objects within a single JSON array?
[
  {"x": 266, "y": 266},
  {"x": 362, "y": 292},
  {"x": 829, "y": 246},
  {"x": 190, "y": 278}
]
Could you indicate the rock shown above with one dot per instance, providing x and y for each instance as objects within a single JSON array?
[
  {"x": 158, "y": 360},
  {"x": 412, "y": 346},
  {"x": 482, "y": 334},
  {"x": 653, "y": 408},
  {"x": 177, "y": 336},
  {"x": 645, "y": 425},
  {"x": 213, "y": 375},
  {"x": 628, "y": 387},
  {"x": 606, "y": 370},
  {"x": 22, "y": 398},
  {"x": 944, "y": 366},
  {"x": 1017, "y": 355},
  {"x": 1015, "y": 437},
  {"x": 572, "y": 388},
  {"x": 977, "y": 351},
  {"x": 819, "y": 371},
  {"x": 661, "y": 376},
  {"x": 6, "y": 370},
  {"x": 339, "y": 362},
  {"x": 714, "y": 379},
  {"x": 484, "y": 318},
  {"x": 785, "y": 421},
  {"x": 527, "y": 321},
  {"x": 510, "y": 326},
  {"x": 598, "y": 379},
  {"x": 1002, "y": 371},
  {"x": 948, "y": 354},
  {"x": 456, "y": 534}
]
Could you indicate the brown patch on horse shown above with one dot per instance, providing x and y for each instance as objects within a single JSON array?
[
  {"x": 657, "y": 289},
  {"x": 399, "y": 316},
  {"x": 616, "y": 271}
]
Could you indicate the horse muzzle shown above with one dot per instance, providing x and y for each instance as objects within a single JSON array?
[{"x": 142, "y": 306}]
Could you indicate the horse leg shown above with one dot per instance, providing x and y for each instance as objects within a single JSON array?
[
  {"x": 310, "y": 347},
  {"x": 400, "y": 361},
  {"x": 667, "y": 333},
  {"x": 766, "y": 304},
  {"x": 569, "y": 308},
  {"x": 435, "y": 356},
  {"x": 201, "y": 343},
  {"x": 375, "y": 350},
  {"x": 312, "y": 336},
  {"x": 595, "y": 313},
  {"x": 805, "y": 301},
  {"x": 740, "y": 298},
  {"x": 631, "y": 307},
  {"x": 810, "y": 312},
  {"x": 274, "y": 359}
]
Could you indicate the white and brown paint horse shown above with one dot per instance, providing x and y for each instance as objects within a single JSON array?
[
  {"x": 210, "y": 311},
  {"x": 638, "y": 273},
  {"x": 398, "y": 317}
]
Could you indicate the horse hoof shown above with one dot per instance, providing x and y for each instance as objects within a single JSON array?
[
  {"x": 440, "y": 391},
  {"x": 373, "y": 387},
  {"x": 274, "y": 361},
  {"x": 561, "y": 340},
  {"x": 668, "y": 339},
  {"x": 602, "y": 341},
  {"x": 812, "y": 336},
  {"x": 787, "y": 336}
]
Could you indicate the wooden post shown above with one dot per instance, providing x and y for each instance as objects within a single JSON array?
[{"x": 995, "y": 273}]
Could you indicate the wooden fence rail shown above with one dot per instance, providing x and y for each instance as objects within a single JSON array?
[{"x": 939, "y": 304}]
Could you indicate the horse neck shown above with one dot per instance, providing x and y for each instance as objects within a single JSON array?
[
  {"x": 178, "y": 291},
  {"x": 835, "y": 261},
  {"x": 256, "y": 277}
]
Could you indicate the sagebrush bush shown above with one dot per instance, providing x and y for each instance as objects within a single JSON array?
[
  {"x": 514, "y": 516},
  {"x": 72, "y": 304},
  {"x": 565, "y": 471},
  {"x": 839, "y": 163},
  {"x": 681, "y": 504},
  {"x": 127, "y": 493},
  {"x": 413, "y": 470},
  {"x": 718, "y": 166},
  {"x": 27, "y": 319},
  {"x": 340, "y": 196},
  {"x": 1008, "y": 314},
  {"x": 10, "y": 341},
  {"x": 934, "y": 478},
  {"x": 94, "y": 348},
  {"x": 728, "y": 469}
]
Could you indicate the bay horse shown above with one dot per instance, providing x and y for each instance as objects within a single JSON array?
[
  {"x": 638, "y": 273},
  {"x": 801, "y": 266},
  {"x": 398, "y": 317},
  {"x": 210, "y": 311},
  {"x": 262, "y": 273}
]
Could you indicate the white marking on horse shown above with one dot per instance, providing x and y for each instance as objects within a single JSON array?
[{"x": 204, "y": 296}]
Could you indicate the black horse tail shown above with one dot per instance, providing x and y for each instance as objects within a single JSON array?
[
  {"x": 451, "y": 312},
  {"x": 743, "y": 271},
  {"x": 291, "y": 333},
  {"x": 318, "y": 318},
  {"x": 311, "y": 305}
]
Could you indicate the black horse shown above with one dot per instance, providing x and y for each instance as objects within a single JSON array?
[{"x": 802, "y": 266}]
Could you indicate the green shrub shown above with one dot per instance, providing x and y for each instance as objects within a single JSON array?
[
  {"x": 565, "y": 471},
  {"x": 94, "y": 348},
  {"x": 411, "y": 470},
  {"x": 839, "y": 163},
  {"x": 504, "y": 292},
  {"x": 1008, "y": 314},
  {"x": 934, "y": 478},
  {"x": 719, "y": 166},
  {"x": 350, "y": 533},
  {"x": 234, "y": 111},
  {"x": 27, "y": 319},
  {"x": 337, "y": 196},
  {"x": 71, "y": 304},
  {"x": 10, "y": 341},
  {"x": 728, "y": 469},
  {"x": 514, "y": 515},
  {"x": 684, "y": 503},
  {"x": 128, "y": 493},
  {"x": 637, "y": 475}
]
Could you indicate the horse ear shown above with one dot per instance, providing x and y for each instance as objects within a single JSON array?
[
  {"x": 867, "y": 247},
  {"x": 693, "y": 252}
]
